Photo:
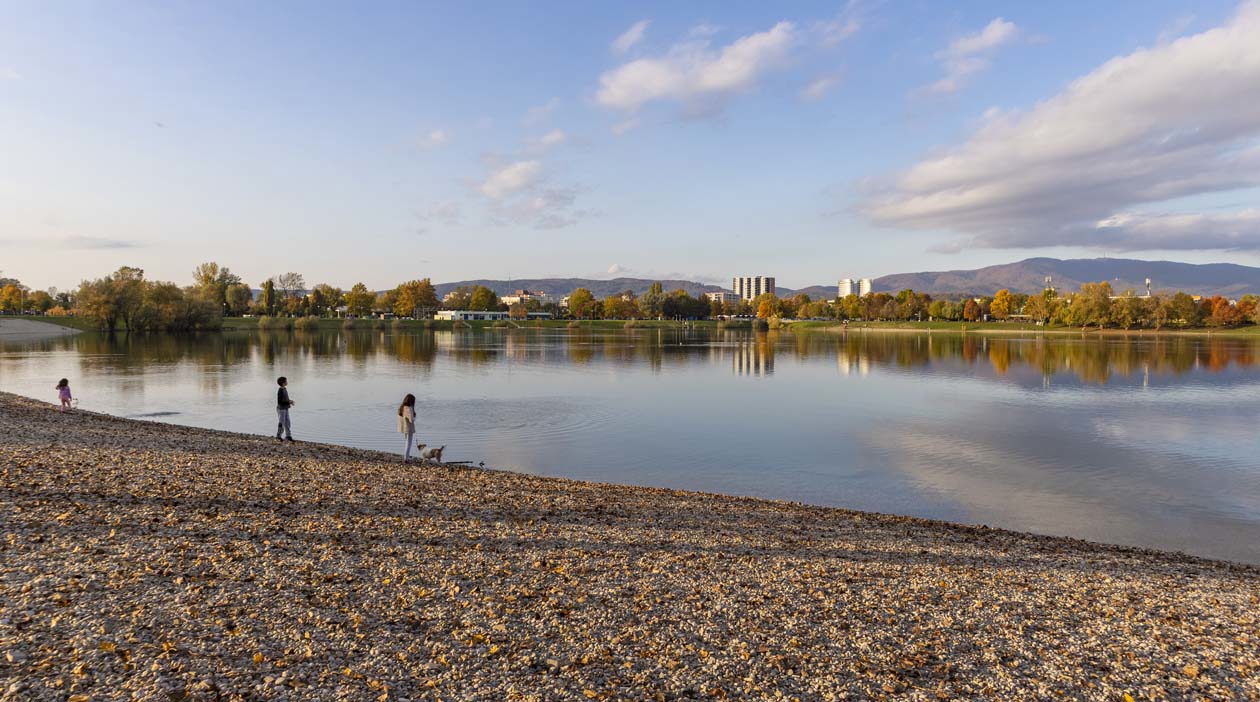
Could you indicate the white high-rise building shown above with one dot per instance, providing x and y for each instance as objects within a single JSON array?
[
  {"x": 750, "y": 288},
  {"x": 847, "y": 286},
  {"x": 864, "y": 287}
]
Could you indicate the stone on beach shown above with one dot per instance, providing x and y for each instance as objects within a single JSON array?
[{"x": 155, "y": 561}]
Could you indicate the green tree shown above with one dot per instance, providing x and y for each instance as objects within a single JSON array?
[
  {"x": 580, "y": 302},
  {"x": 652, "y": 303},
  {"x": 1183, "y": 311},
  {"x": 269, "y": 296},
  {"x": 483, "y": 299},
  {"x": 239, "y": 297}
]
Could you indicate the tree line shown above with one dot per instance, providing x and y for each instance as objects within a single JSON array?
[{"x": 127, "y": 300}]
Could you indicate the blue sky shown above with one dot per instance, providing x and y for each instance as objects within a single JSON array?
[{"x": 382, "y": 142}]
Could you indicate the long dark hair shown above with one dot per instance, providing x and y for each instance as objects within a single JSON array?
[
  {"x": 408, "y": 401},
  {"x": 63, "y": 383}
]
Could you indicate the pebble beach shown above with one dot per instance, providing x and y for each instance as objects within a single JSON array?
[{"x": 151, "y": 561}]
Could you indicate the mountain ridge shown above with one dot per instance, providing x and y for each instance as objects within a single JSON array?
[{"x": 1026, "y": 276}]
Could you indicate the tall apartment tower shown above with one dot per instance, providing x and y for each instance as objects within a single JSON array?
[
  {"x": 749, "y": 288},
  {"x": 864, "y": 287},
  {"x": 847, "y": 286}
]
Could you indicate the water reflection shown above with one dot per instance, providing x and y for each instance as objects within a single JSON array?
[{"x": 1139, "y": 440}]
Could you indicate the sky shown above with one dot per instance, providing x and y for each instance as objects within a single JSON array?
[{"x": 382, "y": 142}]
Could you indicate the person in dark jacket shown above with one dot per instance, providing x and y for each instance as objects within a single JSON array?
[{"x": 283, "y": 403}]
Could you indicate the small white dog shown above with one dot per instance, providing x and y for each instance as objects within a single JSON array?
[{"x": 433, "y": 454}]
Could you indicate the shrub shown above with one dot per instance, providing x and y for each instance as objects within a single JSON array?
[
  {"x": 761, "y": 325},
  {"x": 266, "y": 321},
  {"x": 308, "y": 323},
  {"x": 502, "y": 324},
  {"x": 632, "y": 324}
]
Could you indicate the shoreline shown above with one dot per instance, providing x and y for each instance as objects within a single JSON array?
[
  {"x": 231, "y": 565},
  {"x": 17, "y": 329}
]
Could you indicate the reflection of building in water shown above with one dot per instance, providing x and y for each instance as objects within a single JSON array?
[
  {"x": 848, "y": 364},
  {"x": 753, "y": 358}
]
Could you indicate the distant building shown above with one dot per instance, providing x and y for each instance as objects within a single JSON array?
[
  {"x": 470, "y": 315},
  {"x": 722, "y": 297},
  {"x": 750, "y": 288},
  {"x": 846, "y": 288},
  {"x": 864, "y": 287},
  {"x": 523, "y": 296}
]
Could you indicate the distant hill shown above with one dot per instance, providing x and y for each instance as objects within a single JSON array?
[
  {"x": 564, "y": 286},
  {"x": 1029, "y": 276},
  {"x": 1025, "y": 276}
]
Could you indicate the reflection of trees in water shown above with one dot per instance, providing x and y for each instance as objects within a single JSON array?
[{"x": 1093, "y": 360}]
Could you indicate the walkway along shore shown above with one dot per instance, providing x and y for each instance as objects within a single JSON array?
[{"x": 191, "y": 564}]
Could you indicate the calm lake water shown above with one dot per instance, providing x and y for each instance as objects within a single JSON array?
[{"x": 1145, "y": 442}]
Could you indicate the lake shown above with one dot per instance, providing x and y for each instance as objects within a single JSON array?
[{"x": 1143, "y": 441}]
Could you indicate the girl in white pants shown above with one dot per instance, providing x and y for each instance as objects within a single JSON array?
[{"x": 407, "y": 423}]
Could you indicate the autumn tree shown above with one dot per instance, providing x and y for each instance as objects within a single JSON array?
[
  {"x": 212, "y": 282},
  {"x": 11, "y": 299},
  {"x": 359, "y": 300},
  {"x": 517, "y": 310},
  {"x": 1000, "y": 308},
  {"x": 971, "y": 310},
  {"x": 415, "y": 298}
]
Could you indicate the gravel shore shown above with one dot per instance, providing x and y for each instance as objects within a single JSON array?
[
  {"x": 151, "y": 561},
  {"x": 19, "y": 329}
]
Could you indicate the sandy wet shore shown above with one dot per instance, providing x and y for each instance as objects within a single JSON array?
[
  {"x": 19, "y": 329},
  {"x": 151, "y": 561}
]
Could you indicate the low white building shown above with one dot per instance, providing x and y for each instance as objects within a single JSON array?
[{"x": 470, "y": 315}]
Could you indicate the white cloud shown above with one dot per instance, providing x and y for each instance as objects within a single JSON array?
[
  {"x": 1172, "y": 121},
  {"x": 519, "y": 194},
  {"x": 541, "y": 208},
  {"x": 819, "y": 87},
  {"x": 1228, "y": 231},
  {"x": 538, "y": 114},
  {"x": 969, "y": 55},
  {"x": 618, "y": 269},
  {"x": 630, "y": 37},
  {"x": 551, "y": 139},
  {"x": 842, "y": 26},
  {"x": 511, "y": 179},
  {"x": 695, "y": 74},
  {"x": 435, "y": 139}
]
